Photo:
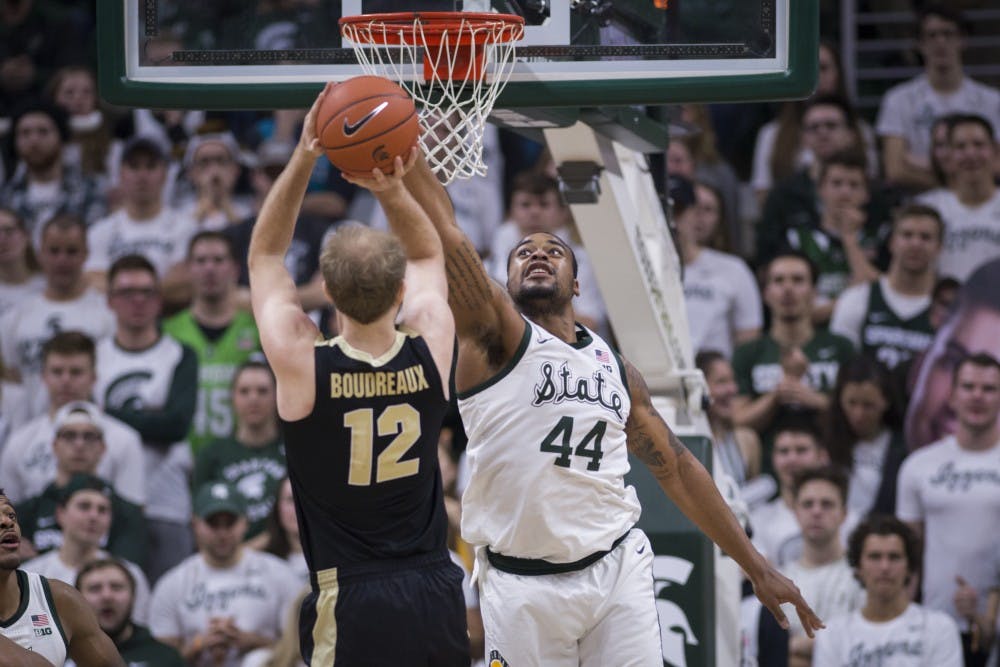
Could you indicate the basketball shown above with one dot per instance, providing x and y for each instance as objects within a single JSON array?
[{"x": 365, "y": 122}]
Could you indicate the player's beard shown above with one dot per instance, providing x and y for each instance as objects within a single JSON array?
[{"x": 541, "y": 300}]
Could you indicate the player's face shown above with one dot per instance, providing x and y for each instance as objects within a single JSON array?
[
  {"x": 13, "y": 239},
  {"x": 722, "y": 386},
  {"x": 143, "y": 178},
  {"x": 541, "y": 273},
  {"x": 68, "y": 377},
  {"x": 62, "y": 255},
  {"x": 37, "y": 140},
  {"x": 78, "y": 448},
  {"x": 788, "y": 290},
  {"x": 940, "y": 42},
  {"x": 10, "y": 536},
  {"x": 107, "y": 591},
  {"x": 213, "y": 271},
  {"x": 972, "y": 149},
  {"x": 134, "y": 296},
  {"x": 915, "y": 243},
  {"x": 864, "y": 405},
  {"x": 86, "y": 517},
  {"x": 883, "y": 567},
  {"x": 930, "y": 415},
  {"x": 220, "y": 535},
  {"x": 793, "y": 452},
  {"x": 975, "y": 398},
  {"x": 843, "y": 186},
  {"x": 819, "y": 511},
  {"x": 254, "y": 398}
]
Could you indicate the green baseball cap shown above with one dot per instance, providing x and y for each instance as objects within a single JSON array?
[
  {"x": 216, "y": 497},
  {"x": 84, "y": 482}
]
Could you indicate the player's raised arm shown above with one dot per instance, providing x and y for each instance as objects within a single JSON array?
[
  {"x": 693, "y": 490},
  {"x": 485, "y": 316},
  {"x": 425, "y": 301},
  {"x": 286, "y": 332}
]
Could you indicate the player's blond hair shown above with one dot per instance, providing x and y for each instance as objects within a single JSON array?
[{"x": 363, "y": 269}]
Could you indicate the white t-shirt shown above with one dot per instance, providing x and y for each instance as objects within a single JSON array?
[
  {"x": 909, "y": 109},
  {"x": 721, "y": 296},
  {"x": 866, "y": 472},
  {"x": 918, "y": 637},
  {"x": 776, "y": 533},
  {"x": 162, "y": 240},
  {"x": 51, "y": 566},
  {"x": 829, "y": 589},
  {"x": 956, "y": 494},
  {"x": 971, "y": 235},
  {"x": 255, "y": 593},
  {"x": 852, "y": 305},
  {"x": 11, "y": 295},
  {"x": 29, "y": 464}
]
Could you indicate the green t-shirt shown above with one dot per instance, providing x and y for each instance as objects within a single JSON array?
[
  {"x": 757, "y": 366},
  {"x": 217, "y": 362},
  {"x": 255, "y": 471},
  {"x": 142, "y": 649}
]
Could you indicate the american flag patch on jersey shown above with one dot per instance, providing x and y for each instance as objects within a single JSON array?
[
  {"x": 38, "y": 620},
  {"x": 602, "y": 356}
]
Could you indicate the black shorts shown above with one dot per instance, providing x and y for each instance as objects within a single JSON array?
[{"x": 408, "y": 612}]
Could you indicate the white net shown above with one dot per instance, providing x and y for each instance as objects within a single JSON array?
[{"x": 453, "y": 71}]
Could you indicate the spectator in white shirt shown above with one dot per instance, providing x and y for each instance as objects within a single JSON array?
[
  {"x": 20, "y": 278},
  {"x": 888, "y": 629},
  {"x": 909, "y": 109}
]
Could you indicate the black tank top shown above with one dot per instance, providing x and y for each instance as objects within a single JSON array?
[{"x": 364, "y": 465}]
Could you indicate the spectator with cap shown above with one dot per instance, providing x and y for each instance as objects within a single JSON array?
[
  {"x": 720, "y": 292},
  {"x": 28, "y": 462},
  {"x": 226, "y": 600},
  {"x": 143, "y": 225},
  {"x": 84, "y": 516},
  {"x": 45, "y": 186},
  {"x": 78, "y": 444},
  {"x": 109, "y": 588},
  {"x": 66, "y": 304},
  {"x": 212, "y": 163}
]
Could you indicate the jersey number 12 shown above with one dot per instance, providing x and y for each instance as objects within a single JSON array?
[{"x": 402, "y": 421}]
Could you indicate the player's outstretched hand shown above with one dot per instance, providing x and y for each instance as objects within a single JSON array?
[
  {"x": 378, "y": 181},
  {"x": 773, "y": 588},
  {"x": 309, "y": 141}
]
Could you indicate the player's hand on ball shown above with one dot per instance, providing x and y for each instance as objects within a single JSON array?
[
  {"x": 378, "y": 181},
  {"x": 773, "y": 589},
  {"x": 309, "y": 140}
]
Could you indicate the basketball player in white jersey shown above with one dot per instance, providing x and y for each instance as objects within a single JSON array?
[
  {"x": 42, "y": 621},
  {"x": 551, "y": 413}
]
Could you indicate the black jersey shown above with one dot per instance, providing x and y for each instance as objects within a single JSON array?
[{"x": 364, "y": 465}]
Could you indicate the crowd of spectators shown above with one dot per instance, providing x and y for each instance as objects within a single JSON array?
[{"x": 842, "y": 296}]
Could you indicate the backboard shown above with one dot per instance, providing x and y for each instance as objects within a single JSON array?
[{"x": 246, "y": 54}]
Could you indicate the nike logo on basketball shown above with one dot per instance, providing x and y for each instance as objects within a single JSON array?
[{"x": 351, "y": 128}]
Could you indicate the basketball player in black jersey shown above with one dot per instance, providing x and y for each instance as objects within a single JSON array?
[{"x": 361, "y": 416}]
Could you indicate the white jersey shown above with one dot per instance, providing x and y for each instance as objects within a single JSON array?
[
  {"x": 918, "y": 637},
  {"x": 11, "y": 295},
  {"x": 36, "y": 625},
  {"x": 956, "y": 494},
  {"x": 547, "y": 451},
  {"x": 162, "y": 240},
  {"x": 141, "y": 380},
  {"x": 51, "y": 566},
  {"x": 255, "y": 593},
  {"x": 971, "y": 235},
  {"x": 29, "y": 464}
]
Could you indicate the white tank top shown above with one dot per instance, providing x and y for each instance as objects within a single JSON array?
[
  {"x": 35, "y": 625},
  {"x": 547, "y": 454}
]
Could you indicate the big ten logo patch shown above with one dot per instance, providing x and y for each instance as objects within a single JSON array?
[
  {"x": 670, "y": 575},
  {"x": 497, "y": 660},
  {"x": 40, "y": 624}
]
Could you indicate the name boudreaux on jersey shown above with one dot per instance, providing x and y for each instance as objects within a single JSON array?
[{"x": 365, "y": 384}]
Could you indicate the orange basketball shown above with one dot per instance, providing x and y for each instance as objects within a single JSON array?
[{"x": 365, "y": 122}]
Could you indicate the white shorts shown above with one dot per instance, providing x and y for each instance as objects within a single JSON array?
[{"x": 601, "y": 615}]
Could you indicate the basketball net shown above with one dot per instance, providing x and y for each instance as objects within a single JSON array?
[{"x": 453, "y": 64}]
